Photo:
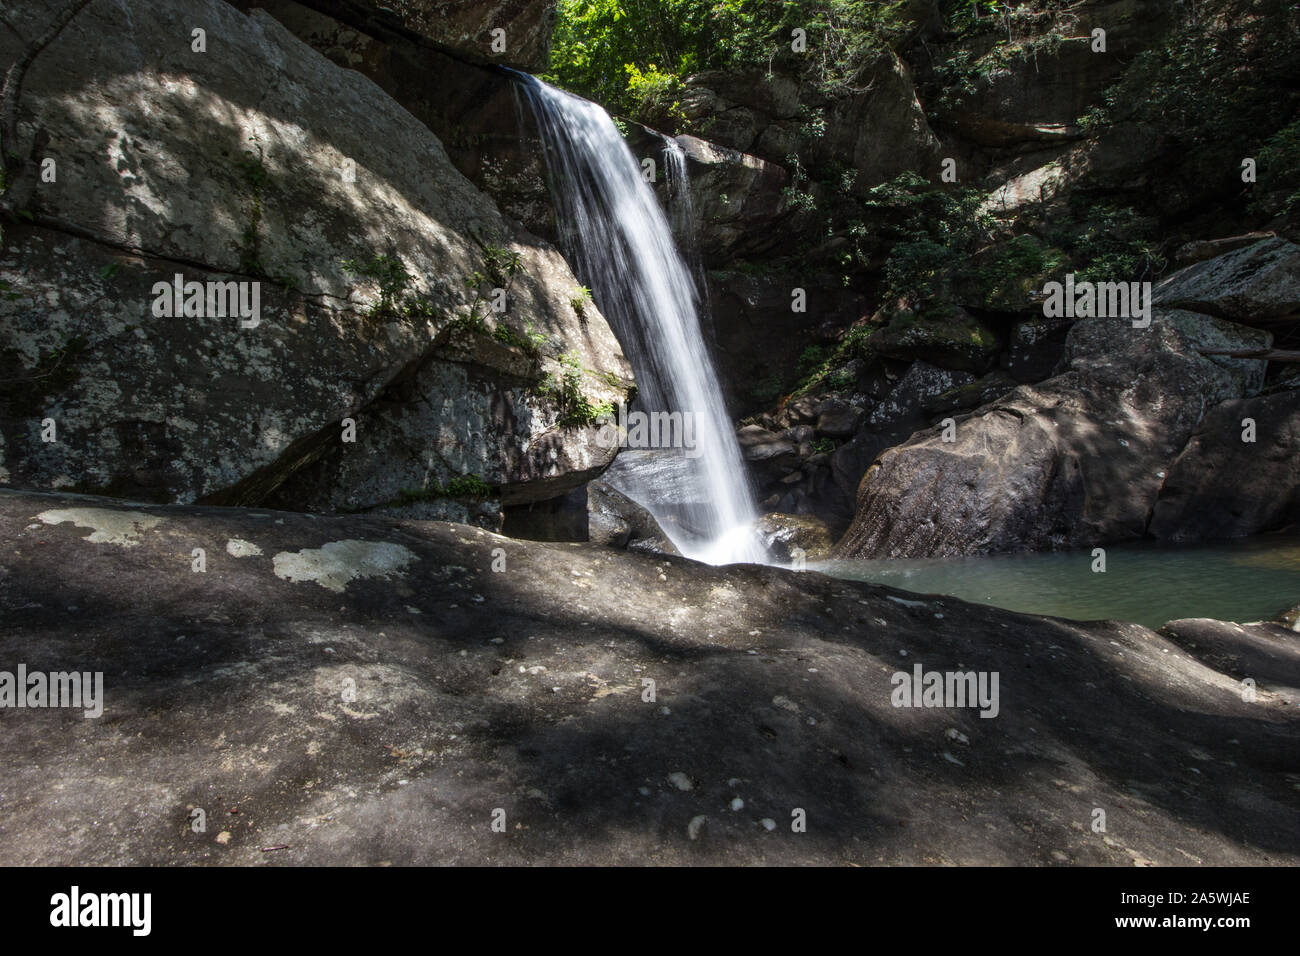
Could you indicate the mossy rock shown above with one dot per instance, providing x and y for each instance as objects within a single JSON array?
[{"x": 950, "y": 338}]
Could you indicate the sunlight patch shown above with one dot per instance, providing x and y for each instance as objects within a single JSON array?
[
  {"x": 339, "y": 562},
  {"x": 110, "y": 527}
]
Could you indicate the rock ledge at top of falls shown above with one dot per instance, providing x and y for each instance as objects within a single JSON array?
[
  {"x": 464, "y": 27},
  {"x": 169, "y": 161},
  {"x": 368, "y": 690},
  {"x": 1075, "y": 461}
]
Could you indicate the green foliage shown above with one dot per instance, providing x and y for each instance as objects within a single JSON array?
[
  {"x": 501, "y": 264},
  {"x": 630, "y": 55},
  {"x": 462, "y": 486},
  {"x": 388, "y": 272},
  {"x": 1110, "y": 243},
  {"x": 1215, "y": 79},
  {"x": 1017, "y": 266},
  {"x": 810, "y": 360},
  {"x": 823, "y": 446},
  {"x": 576, "y": 410},
  {"x": 830, "y": 369},
  {"x": 938, "y": 230},
  {"x": 795, "y": 194},
  {"x": 498, "y": 270},
  {"x": 579, "y": 299},
  {"x": 652, "y": 95},
  {"x": 1279, "y": 166}
]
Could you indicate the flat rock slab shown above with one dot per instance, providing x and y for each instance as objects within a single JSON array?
[{"x": 362, "y": 690}]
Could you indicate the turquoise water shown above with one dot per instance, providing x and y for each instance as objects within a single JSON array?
[{"x": 1248, "y": 580}]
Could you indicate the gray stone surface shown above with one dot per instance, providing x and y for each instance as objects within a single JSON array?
[
  {"x": 159, "y": 173},
  {"x": 1222, "y": 486},
  {"x": 369, "y": 691},
  {"x": 1255, "y": 283}
]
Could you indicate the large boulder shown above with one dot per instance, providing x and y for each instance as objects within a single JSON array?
[
  {"x": 616, "y": 521},
  {"x": 1073, "y": 462},
  {"x": 911, "y": 403},
  {"x": 470, "y": 106},
  {"x": 262, "y": 162},
  {"x": 1238, "y": 474},
  {"x": 1253, "y": 284},
  {"x": 367, "y": 691},
  {"x": 466, "y": 27}
]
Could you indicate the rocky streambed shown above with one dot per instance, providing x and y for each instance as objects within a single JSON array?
[{"x": 369, "y": 690}]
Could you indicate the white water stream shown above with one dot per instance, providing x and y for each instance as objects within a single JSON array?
[{"x": 620, "y": 244}]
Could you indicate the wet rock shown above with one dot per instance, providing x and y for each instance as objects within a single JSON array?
[
  {"x": 616, "y": 521},
  {"x": 737, "y": 199},
  {"x": 789, "y": 535}
]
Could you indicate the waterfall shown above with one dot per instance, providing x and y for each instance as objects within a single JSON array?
[{"x": 618, "y": 239}]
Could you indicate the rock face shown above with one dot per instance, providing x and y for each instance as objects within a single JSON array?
[
  {"x": 1223, "y": 486},
  {"x": 759, "y": 338},
  {"x": 469, "y": 105},
  {"x": 876, "y": 132},
  {"x": 367, "y": 690},
  {"x": 234, "y": 165},
  {"x": 1073, "y": 462},
  {"x": 737, "y": 200},
  {"x": 795, "y": 537},
  {"x": 1252, "y": 284},
  {"x": 465, "y": 26},
  {"x": 616, "y": 521}
]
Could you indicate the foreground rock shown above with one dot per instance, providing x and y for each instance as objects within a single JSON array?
[
  {"x": 364, "y": 690},
  {"x": 1076, "y": 461}
]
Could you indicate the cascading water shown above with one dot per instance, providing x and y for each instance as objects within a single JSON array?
[{"x": 619, "y": 242}]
